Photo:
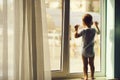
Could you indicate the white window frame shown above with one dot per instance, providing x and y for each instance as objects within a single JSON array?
[{"x": 64, "y": 72}]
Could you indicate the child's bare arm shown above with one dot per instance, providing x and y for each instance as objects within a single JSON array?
[
  {"x": 96, "y": 24},
  {"x": 76, "y": 27},
  {"x": 76, "y": 35}
]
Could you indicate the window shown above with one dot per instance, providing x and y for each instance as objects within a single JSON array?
[
  {"x": 65, "y": 51},
  {"x": 54, "y": 20},
  {"x": 77, "y": 9}
]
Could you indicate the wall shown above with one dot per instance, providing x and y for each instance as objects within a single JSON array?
[
  {"x": 110, "y": 39},
  {"x": 113, "y": 39},
  {"x": 117, "y": 39}
]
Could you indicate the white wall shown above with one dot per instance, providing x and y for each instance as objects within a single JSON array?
[{"x": 110, "y": 39}]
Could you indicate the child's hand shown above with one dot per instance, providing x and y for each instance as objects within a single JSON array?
[
  {"x": 76, "y": 27},
  {"x": 96, "y": 23}
]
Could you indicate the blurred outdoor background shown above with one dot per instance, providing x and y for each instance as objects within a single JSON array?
[{"x": 54, "y": 22}]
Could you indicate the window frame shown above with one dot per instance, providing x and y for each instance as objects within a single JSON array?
[{"x": 64, "y": 72}]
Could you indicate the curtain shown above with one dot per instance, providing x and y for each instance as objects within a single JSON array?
[{"x": 24, "y": 52}]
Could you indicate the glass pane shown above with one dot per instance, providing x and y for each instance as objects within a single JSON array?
[
  {"x": 54, "y": 23},
  {"x": 77, "y": 9}
]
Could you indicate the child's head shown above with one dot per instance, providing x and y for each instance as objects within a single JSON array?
[{"x": 87, "y": 20}]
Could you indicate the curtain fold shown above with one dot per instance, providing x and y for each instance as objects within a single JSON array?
[
  {"x": 5, "y": 41},
  {"x": 24, "y": 41}
]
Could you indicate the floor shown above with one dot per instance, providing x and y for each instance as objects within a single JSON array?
[{"x": 98, "y": 78}]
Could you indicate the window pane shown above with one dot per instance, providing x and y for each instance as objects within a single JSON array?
[
  {"x": 54, "y": 23},
  {"x": 77, "y": 9}
]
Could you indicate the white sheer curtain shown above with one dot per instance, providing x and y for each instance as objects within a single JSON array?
[{"x": 24, "y": 53}]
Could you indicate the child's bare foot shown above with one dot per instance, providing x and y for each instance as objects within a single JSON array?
[
  {"x": 92, "y": 78},
  {"x": 85, "y": 78}
]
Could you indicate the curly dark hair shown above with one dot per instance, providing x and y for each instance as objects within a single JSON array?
[{"x": 87, "y": 19}]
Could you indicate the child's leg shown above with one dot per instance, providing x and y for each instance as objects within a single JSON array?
[
  {"x": 92, "y": 67},
  {"x": 85, "y": 67}
]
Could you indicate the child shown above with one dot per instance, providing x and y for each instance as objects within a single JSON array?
[{"x": 87, "y": 35}]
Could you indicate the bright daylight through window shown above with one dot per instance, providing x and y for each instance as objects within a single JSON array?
[
  {"x": 77, "y": 9},
  {"x": 54, "y": 23}
]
